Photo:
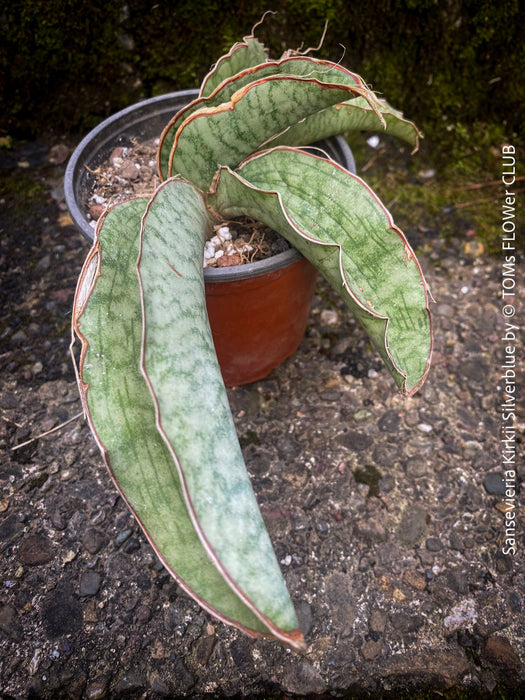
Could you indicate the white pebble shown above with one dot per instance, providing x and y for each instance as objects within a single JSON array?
[
  {"x": 373, "y": 141},
  {"x": 219, "y": 254},
  {"x": 424, "y": 427},
  {"x": 224, "y": 233},
  {"x": 329, "y": 317}
]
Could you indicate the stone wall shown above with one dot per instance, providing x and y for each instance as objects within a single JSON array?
[{"x": 448, "y": 66}]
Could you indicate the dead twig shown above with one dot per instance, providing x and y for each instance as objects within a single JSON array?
[
  {"x": 48, "y": 432},
  {"x": 12, "y": 422},
  {"x": 462, "y": 205},
  {"x": 480, "y": 185}
]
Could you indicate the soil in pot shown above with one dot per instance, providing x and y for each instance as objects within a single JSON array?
[{"x": 130, "y": 171}]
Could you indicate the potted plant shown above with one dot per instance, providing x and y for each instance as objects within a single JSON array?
[{"x": 147, "y": 370}]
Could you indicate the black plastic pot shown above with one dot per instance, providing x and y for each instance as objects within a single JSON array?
[{"x": 271, "y": 297}]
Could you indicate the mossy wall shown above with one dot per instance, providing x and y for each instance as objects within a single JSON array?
[{"x": 455, "y": 66}]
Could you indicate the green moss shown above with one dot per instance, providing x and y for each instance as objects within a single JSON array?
[
  {"x": 19, "y": 189},
  {"x": 439, "y": 207},
  {"x": 49, "y": 50},
  {"x": 461, "y": 201},
  {"x": 448, "y": 66},
  {"x": 370, "y": 476}
]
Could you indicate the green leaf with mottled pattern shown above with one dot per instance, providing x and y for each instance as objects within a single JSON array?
[
  {"x": 293, "y": 67},
  {"x": 193, "y": 414},
  {"x": 244, "y": 54},
  {"x": 121, "y": 413},
  {"x": 340, "y": 225},
  {"x": 352, "y": 115}
]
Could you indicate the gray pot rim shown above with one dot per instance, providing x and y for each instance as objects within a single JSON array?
[{"x": 108, "y": 130}]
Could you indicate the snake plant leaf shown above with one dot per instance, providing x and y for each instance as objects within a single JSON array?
[
  {"x": 298, "y": 67},
  {"x": 244, "y": 54},
  {"x": 369, "y": 262},
  {"x": 232, "y": 71},
  {"x": 193, "y": 414},
  {"x": 107, "y": 318},
  {"x": 228, "y": 133},
  {"x": 351, "y": 115}
]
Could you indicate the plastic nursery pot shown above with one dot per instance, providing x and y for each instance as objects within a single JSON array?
[{"x": 258, "y": 312}]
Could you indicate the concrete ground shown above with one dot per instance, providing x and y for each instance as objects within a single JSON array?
[{"x": 387, "y": 515}]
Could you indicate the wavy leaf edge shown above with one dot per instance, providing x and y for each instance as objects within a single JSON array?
[
  {"x": 408, "y": 249},
  {"x": 227, "y": 57},
  {"x": 359, "y": 89},
  {"x": 202, "y": 102}
]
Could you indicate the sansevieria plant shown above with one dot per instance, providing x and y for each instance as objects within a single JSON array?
[{"x": 148, "y": 375}]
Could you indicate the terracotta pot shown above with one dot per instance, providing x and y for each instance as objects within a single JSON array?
[
  {"x": 258, "y": 312},
  {"x": 259, "y": 321}
]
